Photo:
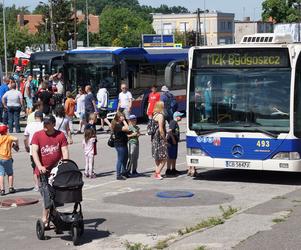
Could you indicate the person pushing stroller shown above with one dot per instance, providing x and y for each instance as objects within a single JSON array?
[{"x": 49, "y": 146}]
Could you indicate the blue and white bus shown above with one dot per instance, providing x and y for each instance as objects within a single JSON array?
[
  {"x": 244, "y": 105},
  {"x": 140, "y": 68}
]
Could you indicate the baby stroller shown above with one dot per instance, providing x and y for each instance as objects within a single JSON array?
[{"x": 64, "y": 186}]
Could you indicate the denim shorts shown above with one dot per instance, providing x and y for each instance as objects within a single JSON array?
[
  {"x": 6, "y": 167},
  {"x": 29, "y": 103}
]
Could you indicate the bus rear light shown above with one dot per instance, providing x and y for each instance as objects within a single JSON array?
[
  {"x": 287, "y": 156},
  {"x": 196, "y": 152}
]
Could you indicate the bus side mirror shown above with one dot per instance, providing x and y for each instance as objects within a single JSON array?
[
  {"x": 123, "y": 69},
  {"x": 169, "y": 73}
]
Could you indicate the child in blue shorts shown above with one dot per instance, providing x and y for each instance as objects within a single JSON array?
[
  {"x": 7, "y": 142},
  {"x": 173, "y": 138}
]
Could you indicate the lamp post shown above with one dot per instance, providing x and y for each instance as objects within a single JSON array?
[
  {"x": 75, "y": 25},
  {"x": 52, "y": 36},
  {"x": 87, "y": 23},
  {"x": 4, "y": 34},
  {"x": 298, "y": 6}
]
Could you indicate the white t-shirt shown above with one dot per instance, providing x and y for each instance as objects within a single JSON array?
[
  {"x": 80, "y": 103},
  {"x": 30, "y": 130},
  {"x": 62, "y": 125},
  {"x": 13, "y": 98},
  {"x": 102, "y": 98},
  {"x": 27, "y": 89},
  {"x": 124, "y": 99}
]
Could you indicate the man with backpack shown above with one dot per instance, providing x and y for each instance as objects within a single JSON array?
[{"x": 170, "y": 103}]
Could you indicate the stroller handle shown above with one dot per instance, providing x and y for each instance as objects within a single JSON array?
[{"x": 66, "y": 160}]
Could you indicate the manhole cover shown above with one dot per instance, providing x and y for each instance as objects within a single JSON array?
[
  {"x": 149, "y": 198},
  {"x": 174, "y": 194},
  {"x": 18, "y": 202}
]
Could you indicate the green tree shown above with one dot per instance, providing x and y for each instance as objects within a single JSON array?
[
  {"x": 97, "y": 6},
  {"x": 17, "y": 38},
  {"x": 94, "y": 38},
  {"x": 122, "y": 26},
  {"x": 280, "y": 10},
  {"x": 63, "y": 22}
]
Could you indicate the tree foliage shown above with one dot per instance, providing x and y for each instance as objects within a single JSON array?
[
  {"x": 63, "y": 22},
  {"x": 122, "y": 27},
  {"x": 281, "y": 10},
  {"x": 97, "y": 6},
  {"x": 17, "y": 38}
]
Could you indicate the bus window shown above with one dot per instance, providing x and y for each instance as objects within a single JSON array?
[
  {"x": 146, "y": 76},
  {"x": 297, "y": 101}
]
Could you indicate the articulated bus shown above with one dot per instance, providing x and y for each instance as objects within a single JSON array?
[
  {"x": 244, "y": 105},
  {"x": 140, "y": 68}
]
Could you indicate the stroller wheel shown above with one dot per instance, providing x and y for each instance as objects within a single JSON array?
[
  {"x": 40, "y": 229},
  {"x": 74, "y": 234},
  {"x": 81, "y": 228}
]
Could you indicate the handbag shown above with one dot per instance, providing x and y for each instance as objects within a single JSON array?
[{"x": 111, "y": 141}]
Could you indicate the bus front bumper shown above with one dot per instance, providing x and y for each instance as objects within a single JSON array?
[{"x": 270, "y": 165}]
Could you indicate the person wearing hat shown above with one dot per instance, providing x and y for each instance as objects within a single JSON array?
[
  {"x": 30, "y": 130},
  {"x": 49, "y": 146},
  {"x": 7, "y": 142},
  {"x": 133, "y": 146},
  {"x": 170, "y": 103},
  {"x": 173, "y": 138}
]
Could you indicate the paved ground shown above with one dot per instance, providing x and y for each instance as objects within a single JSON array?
[{"x": 120, "y": 211}]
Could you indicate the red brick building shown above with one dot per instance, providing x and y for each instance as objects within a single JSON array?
[{"x": 31, "y": 22}]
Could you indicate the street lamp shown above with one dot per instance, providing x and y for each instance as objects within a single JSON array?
[
  {"x": 5, "y": 45},
  {"x": 87, "y": 24},
  {"x": 298, "y": 5},
  {"x": 52, "y": 36}
]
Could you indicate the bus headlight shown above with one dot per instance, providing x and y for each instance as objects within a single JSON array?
[
  {"x": 196, "y": 152},
  {"x": 287, "y": 156}
]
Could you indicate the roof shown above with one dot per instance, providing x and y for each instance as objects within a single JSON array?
[
  {"x": 44, "y": 57},
  {"x": 152, "y": 55}
]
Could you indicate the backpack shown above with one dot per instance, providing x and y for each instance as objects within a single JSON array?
[
  {"x": 171, "y": 102},
  {"x": 152, "y": 127}
]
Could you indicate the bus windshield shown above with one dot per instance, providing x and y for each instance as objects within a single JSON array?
[
  {"x": 240, "y": 99},
  {"x": 98, "y": 70}
]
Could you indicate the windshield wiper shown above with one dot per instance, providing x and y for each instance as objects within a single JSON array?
[{"x": 265, "y": 132}]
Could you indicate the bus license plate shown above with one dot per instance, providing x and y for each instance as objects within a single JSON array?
[{"x": 237, "y": 164}]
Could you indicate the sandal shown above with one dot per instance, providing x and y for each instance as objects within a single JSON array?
[
  {"x": 12, "y": 190},
  {"x": 2, "y": 192}
]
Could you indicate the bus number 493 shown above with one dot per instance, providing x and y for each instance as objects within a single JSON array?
[{"x": 263, "y": 144}]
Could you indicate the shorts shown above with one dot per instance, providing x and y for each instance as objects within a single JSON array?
[
  {"x": 33, "y": 165},
  {"x": 28, "y": 102},
  {"x": 103, "y": 113},
  {"x": 81, "y": 116},
  {"x": 6, "y": 167},
  {"x": 172, "y": 150}
]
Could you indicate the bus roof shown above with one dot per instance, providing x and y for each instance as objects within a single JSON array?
[
  {"x": 44, "y": 57},
  {"x": 151, "y": 55}
]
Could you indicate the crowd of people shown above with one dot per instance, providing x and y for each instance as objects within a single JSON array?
[{"x": 50, "y": 127}]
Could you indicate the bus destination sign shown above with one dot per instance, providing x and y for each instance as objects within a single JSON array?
[{"x": 241, "y": 58}]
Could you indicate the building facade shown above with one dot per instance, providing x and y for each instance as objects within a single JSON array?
[
  {"x": 216, "y": 27},
  {"x": 32, "y": 22},
  {"x": 247, "y": 27}
]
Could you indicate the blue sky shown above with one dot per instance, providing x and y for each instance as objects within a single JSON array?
[{"x": 233, "y": 6}]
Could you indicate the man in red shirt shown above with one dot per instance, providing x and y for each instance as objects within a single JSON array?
[
  {"x": 49, "y": 146},
  {"x": 153, "y": 98}
]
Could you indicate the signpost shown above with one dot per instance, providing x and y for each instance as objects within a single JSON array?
[{"x": 158, "y": 40}]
